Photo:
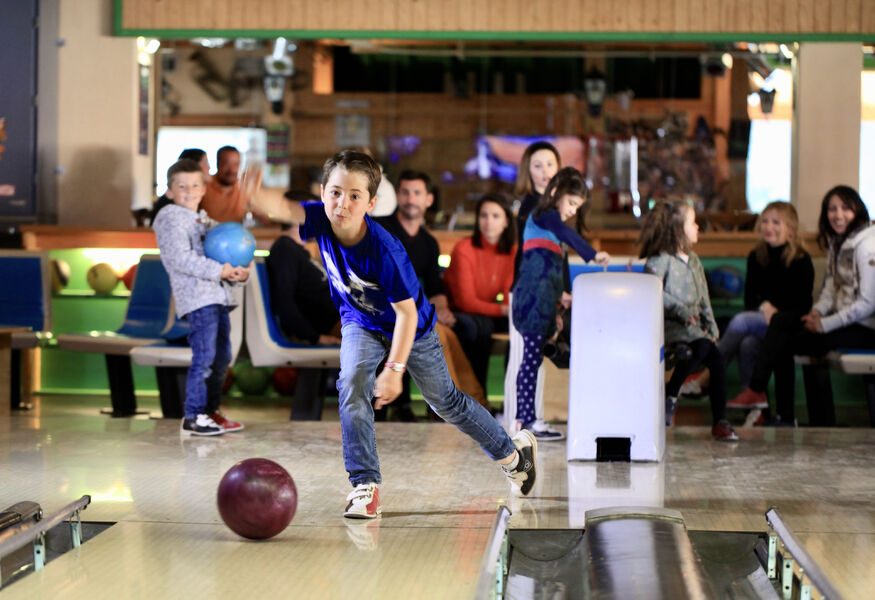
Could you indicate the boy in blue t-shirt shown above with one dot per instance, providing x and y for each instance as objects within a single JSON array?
[{"x": 385, "y": 316}]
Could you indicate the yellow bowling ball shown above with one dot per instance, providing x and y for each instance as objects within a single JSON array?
[{"x": 102, "y": 278}]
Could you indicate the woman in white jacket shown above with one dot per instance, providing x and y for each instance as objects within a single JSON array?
[{"x": 843, "y": 316}]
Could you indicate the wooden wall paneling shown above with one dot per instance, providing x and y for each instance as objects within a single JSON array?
[
  {"x": 589, "y": 16},
  {"x": 697, "y": 12},
  {"x": 573, "y": 12},
  {"x": 725, "y": 15},
  {"x": 680, "y": 16},
  {"x": 805, "y": 15},
  {"x": 790, "y": 18},
  {"x": 438, "y": 17},
  {"x": 757, "y": 14},
  {"x": 867, "y": 16},
  {"x": 821, "y": 16},
  {"x": 775, "y": 14},
  {"x": 837, "y": 21},
  {"x": 666, "y": 17},
  {"x": 854, "y": 15}
]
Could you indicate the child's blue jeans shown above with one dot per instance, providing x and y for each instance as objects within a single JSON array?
[
  {"x": 361, "y": 352},
  {"x": 210, "y": 341},
  {"x": 743, "y": 337}
]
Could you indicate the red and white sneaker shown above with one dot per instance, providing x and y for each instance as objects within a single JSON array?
[
  {"x": 749, "y": 399},
  {"x": 722, "y": 431},
  {"x": 225, "y": 423},
  {"x": 363, "y": 502}
]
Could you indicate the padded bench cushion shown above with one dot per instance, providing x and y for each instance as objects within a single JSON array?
[
  {"x": 104, "y": 342},
  {"x": 162, "y": 355}
]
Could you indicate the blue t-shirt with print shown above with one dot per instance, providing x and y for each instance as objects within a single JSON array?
[{"x": 368, "y": 277}]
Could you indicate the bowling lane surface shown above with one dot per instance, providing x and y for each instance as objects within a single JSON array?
[{"x": 439, "y": 494}]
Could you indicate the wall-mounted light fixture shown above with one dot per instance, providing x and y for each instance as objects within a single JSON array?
[
  {"x": 767, "y": 100},
  {"x": 595, "y": 87}
]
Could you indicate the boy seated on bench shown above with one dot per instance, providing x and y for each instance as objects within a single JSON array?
[{"x": 202, "y": 296}]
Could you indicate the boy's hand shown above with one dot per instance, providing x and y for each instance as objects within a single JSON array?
[
  {"x": 387, "y": 387},
  {"x": 250, "y": 183},
  {"x": 241, "y": 274},
  {"x": 227, "y": 272}
]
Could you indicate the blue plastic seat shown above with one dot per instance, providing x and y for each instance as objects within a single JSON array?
[
  {"x": 149, "y": 319},
  {"x": 24, "y": 298}
]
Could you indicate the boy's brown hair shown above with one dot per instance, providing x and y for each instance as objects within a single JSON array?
[
  {"x": 354, "y": 162},
  {"x": 184, "y": 165}
]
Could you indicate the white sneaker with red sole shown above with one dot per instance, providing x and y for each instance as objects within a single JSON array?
[{"x": 363, "y": 502}]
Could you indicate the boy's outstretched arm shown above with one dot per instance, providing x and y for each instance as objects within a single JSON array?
[
  {"x": 388, "y": 384},
  {"x": 271, "y": 204}
]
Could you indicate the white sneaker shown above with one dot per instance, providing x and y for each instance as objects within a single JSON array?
[
  {"x": 201, "y": 425},
  {"x": 544, "y": 432},
  {"x": 522, "y": 477},
  {"x": 363, "y": 502}
]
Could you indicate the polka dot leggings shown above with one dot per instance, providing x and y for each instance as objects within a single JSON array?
[{"x": 527, "y": 377}]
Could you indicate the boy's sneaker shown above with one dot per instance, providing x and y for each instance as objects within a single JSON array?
[
  {"x": 201, "y": 425},
  {"x": 522, "y": 476},
  {"x": 544, "y": 432},
  {"x": 225, "y": 423},
  {"x": 722, "y": 431},
  {"x": 363, "y": 502},
  {"x": 749, "y": 399}
]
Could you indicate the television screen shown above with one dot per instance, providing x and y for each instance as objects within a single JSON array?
[
  {"x": 250, "y": 141},
  {"x": 498, "y": 156}
]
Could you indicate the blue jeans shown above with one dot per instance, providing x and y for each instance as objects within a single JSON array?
[
  {"x": 743, "y": 337},
  {"x": 210, "y": 341},
  {"x": 361, "y": 352}
]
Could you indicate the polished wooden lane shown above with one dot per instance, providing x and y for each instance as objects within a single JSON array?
[{"x": 439, "y": 498}]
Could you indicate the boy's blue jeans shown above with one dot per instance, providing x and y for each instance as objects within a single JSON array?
[
  {"x": 743, "y": 337},
  {"x": 210, "y": 341},
  {"x": 361, "y": 352}
]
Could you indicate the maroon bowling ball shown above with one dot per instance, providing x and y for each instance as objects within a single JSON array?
[
  {"x": 284, "y": 380},
  {"x": 257, "y": 498}
]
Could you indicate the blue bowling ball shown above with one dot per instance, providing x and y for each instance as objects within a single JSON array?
[
  {"x": 230, "y": 243},
  {"x": 726, "y": 281}
]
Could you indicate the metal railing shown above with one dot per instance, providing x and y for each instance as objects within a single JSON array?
[
  {"x": 493, "y": 569},
  {"x": 34, "y": 533},
  {"x": 808, "y": 568}
]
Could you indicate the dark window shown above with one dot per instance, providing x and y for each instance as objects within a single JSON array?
[{"x": 658, "y": 78}]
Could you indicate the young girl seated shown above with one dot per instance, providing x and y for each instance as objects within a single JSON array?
[
  {"x": 666, "y": 241},
  {"x": 779, "y": 279},
  {"x": 841, "y": 318},
  {"x": 541, "y": 281}
]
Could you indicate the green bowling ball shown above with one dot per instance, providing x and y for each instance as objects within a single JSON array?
[{"x": 251, "y": 381}]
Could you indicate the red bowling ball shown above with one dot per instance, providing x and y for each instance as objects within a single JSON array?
[
  {"x": 257, "y": 498},
  {"x": 285, "y": 379}
]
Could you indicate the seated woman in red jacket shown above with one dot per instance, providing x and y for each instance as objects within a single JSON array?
[{"x": 479, "y": 278}]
